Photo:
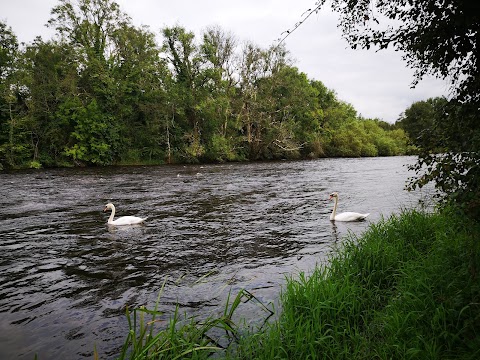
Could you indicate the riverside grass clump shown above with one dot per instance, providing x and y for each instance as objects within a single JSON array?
[
  {"x": 408, "y": 288},
  {"x": 183, "y": 337}
]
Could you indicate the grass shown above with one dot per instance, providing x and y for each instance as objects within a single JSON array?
[
  {"x": 408, "y": 288},
  {"x": 183, "y": 337}
]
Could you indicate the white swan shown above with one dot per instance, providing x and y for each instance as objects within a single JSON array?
[
  {"x": 124, "y": 220},
  {"x": 345, "y": 216}
]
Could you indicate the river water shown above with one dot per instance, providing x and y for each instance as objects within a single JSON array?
[{"x": 66, "y": 277}]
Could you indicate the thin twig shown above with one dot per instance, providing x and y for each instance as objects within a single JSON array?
[{"x": 310, "y": 12}]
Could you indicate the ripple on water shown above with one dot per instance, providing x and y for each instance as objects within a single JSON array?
[{"x": 66, "y": 277}]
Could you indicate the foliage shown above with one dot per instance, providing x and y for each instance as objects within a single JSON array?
[
  {"x": 8, "y": 49},
  {"x": 421, "y": 116},
  {"x": 182, "y": 337},
  {"x": 51, "y": 74},
  {"x": 90, "y": 140},
  {"x": 437, "y": 38},
  {"x": 367, "y": 138},
  {"x": 88, "y": 24},
  {"x": 104, "y": 92},
  {"x": 450, "y": 156},
  {"x": 8, "y": 104}
]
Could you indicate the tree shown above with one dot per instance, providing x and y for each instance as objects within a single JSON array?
[
  {"x": 436, "y": 37},
  {"x": 260, "y": 79},
  {"x": 421, "y": 116},
  {"x": 8, "y": 55},
  {"x": 88, "y": 24},
  {"x": 91, "y": 27},
  {"x": 183, "y": 54},
  {"x": 139, "y": 98},
  {"x": 8, "y": 50},
  {"x": 440, "y": 38},
  {"x": 52, "y": 79},
  {"x": 291, "y": 101},
  {"x": 450, "y": 156},
  {"x": 103, "y": 92},
  {"x": 219, "y": 131},
  {"x": 90, "y": 140},
  {"x": 14, "y": 137}
]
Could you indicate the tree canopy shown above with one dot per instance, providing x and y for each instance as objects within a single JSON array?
[
  {"x": 103, "y": 92},
  {"x": 437, "y": 38}
]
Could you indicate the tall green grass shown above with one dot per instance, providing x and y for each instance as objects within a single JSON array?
[
  {"x": 184, "y": 337},
  {"x": 409, "y": 288}
]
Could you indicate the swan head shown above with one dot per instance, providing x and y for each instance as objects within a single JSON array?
[
  {"x": 108, "y": 206},
  {"x": 333, "y": 195}
]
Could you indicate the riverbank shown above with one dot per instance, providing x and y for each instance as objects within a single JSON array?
[{"x": 407, "y": 288}]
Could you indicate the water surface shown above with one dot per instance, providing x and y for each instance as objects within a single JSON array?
[{"x": 66, "y": 277}]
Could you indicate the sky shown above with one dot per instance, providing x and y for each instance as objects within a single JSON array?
[{"x": 376, "y": 84}]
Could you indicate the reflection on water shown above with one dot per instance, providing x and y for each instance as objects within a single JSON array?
[
  {"x": 335, "y": 235},
  {"x": 66, "y": 277}
]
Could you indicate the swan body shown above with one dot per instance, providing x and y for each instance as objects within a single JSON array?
[
  {"x": 345, "y": 216},
  {"x": 124, "y": 220}
]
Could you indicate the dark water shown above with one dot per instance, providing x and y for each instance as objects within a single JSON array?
[{"x": 66, "y": 277}]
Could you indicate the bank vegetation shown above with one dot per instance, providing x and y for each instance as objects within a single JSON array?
[{"x": 104, "y": 92}]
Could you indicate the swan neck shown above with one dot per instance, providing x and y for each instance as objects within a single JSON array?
[
  {"x": 332, "y": 217},
  {"x": 110, "y": 219}
]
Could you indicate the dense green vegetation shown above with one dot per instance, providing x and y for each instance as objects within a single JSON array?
[
  {"x": 105, "y": 92},
  {"x": 439, "y": 38},
  {"x": 447, "y": 138},
  {"x": 406, "y": 289}
]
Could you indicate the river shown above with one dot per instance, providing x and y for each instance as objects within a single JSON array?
[{"x": 66, "y": 277}]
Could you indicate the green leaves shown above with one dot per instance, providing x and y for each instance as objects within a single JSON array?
[
  {"x": 8, "y": 50},
  {"x": 448, "y": 146},
  {"x": 88, "y": 24},
  {"x": 437, "y": 38},
  {"x": 105, "y": 92},
  {"x": 90, "y": 139}
]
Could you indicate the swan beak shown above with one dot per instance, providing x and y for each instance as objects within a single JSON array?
[{"x": 104, "y": 210}]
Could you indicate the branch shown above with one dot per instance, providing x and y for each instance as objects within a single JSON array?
[
  {"x": 281, "y": 146},
  {"x": 309, "y": 12}
]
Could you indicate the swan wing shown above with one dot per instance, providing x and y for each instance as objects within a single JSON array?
[
  {"x": 128, "y": 220},
  {"x": 350, "y": 216}
]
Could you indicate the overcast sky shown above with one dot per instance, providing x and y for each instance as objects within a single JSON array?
[{"x": 376, "y": 84}]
